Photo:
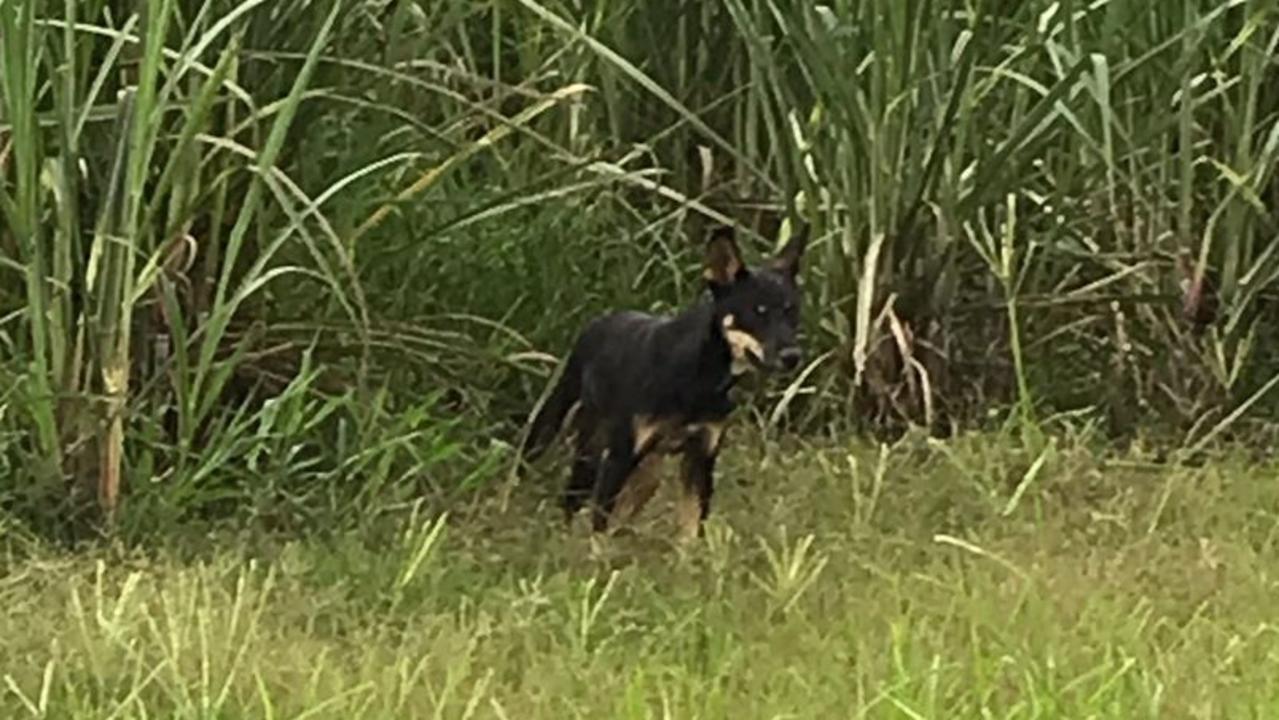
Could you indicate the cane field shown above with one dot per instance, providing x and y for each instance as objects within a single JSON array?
[{"x": 281, "y": 281}]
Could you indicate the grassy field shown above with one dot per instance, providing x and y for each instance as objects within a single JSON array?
[{"x": 925, "y": 580}]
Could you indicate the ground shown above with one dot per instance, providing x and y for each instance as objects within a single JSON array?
[{"x": 925, "y": 580}]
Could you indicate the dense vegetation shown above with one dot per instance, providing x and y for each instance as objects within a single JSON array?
[{"x": 283, "y": 253}]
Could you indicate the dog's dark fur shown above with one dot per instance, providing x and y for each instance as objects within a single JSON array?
[{"x": 645, "y": 386}]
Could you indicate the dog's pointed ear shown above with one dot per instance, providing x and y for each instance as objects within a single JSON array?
[
  {"x": 788, "y": 258},
  {"x": 723, "y": 260}
]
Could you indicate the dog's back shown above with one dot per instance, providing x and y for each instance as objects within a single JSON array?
[{"x": 615, "y": 365}]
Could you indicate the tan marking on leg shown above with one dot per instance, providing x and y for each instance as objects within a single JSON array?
[
  {"x": 646, "y": 431},
  {"x": 688, "y": 506},
  {"x": 638, "y": 490},
  {"x": 712, "y": 433},
  {"x": 688, "y": 513},
  {"x": 643, "y": 481}
]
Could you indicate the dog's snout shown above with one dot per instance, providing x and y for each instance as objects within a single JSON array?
[{"x": 790, "y": 358}]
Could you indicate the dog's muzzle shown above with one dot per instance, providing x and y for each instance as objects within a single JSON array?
[{"x": 789, "y": 358}]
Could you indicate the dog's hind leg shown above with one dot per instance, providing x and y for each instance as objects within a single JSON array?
[
  {"x": 581, "y": 479},
  {"x": 586, "y": 464},
  {"x": 639, "y": 489},
  {"x": 615, "y": 470}
]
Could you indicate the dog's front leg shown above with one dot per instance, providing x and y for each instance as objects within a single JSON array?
[{"x": 697, "y": 483}]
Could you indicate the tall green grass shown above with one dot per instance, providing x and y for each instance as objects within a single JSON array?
[{"x": 312, "y": 254}]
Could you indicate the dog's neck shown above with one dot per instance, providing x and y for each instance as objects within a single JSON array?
[
  {"x": 713, "y": 362},
  {"x": 723, "y": 359}
]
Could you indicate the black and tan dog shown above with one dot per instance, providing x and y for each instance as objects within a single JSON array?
[{"x": 648, "y": 386}]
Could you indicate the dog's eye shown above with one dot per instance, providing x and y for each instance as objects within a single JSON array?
[{"x": 761, "y": 309}]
